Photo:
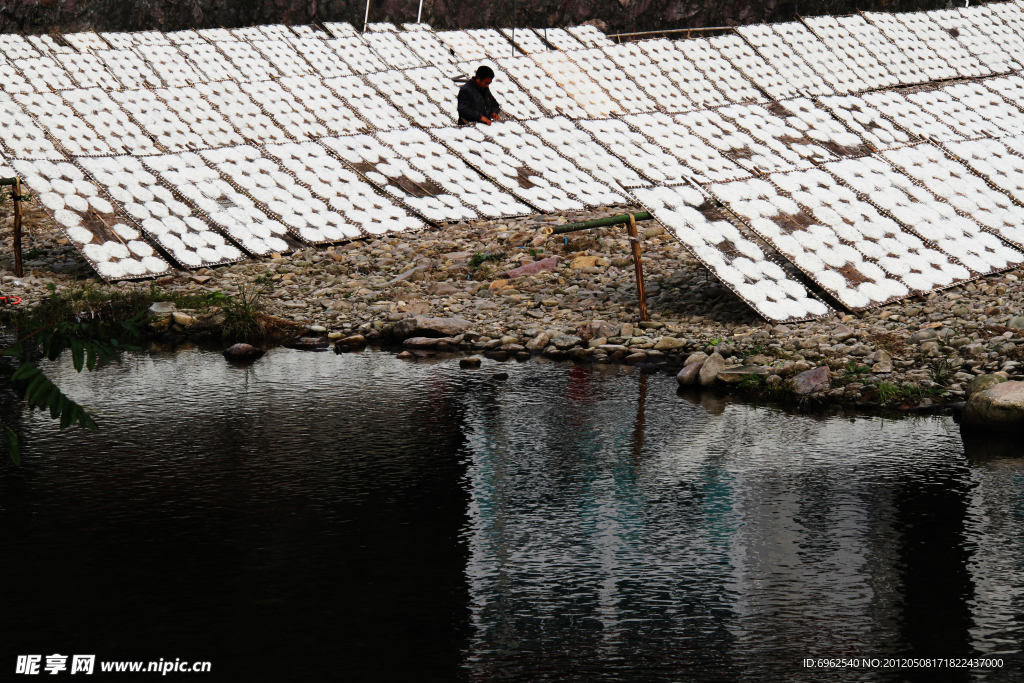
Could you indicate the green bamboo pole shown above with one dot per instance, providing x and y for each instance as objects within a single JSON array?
[{"x": 596, "y": 223}]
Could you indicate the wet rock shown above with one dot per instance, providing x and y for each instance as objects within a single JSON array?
[
  {"x": 999, "y": 408},
  {"x": 353, "y": 340},
  {"x": 698, "y": 357},
  {"x": 690, "y": 374},
  {"x": 406, "y": 355},
  {"x": 308, "y": 343},
  {"x": 500, "y": 376},
  {"x": 242, "y": 352},
  {"x": 983, "y": 382},
  {"x": 709, "y": 371},
  {"x": 566, "y": 341},
  {"x": 538, "y": 342},
  {"x": 811, "y": 381},
  {"x": 773, "y": 380},
  {"x": 634, "y": 358},
  {"x": 738, "y": 374},
  {"x": 182, "y": 319},
  {"x": 161, "y": 308},
  {"x": 470, "y": 363},
  {"x": 421, "y": 326}
]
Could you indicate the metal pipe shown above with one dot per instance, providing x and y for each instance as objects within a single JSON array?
[
  {"x": 639, "y": 265},
  {"x": 596, "y": 223},
  {"x": 366, "y": 19},
  {"x": 419, "y": 15}
]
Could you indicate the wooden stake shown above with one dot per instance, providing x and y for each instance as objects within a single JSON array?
[
  {"x": 18, "y": 269},
  {"x": 638, "y": 263}
]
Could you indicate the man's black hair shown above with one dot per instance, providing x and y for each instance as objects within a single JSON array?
[{"x": 484, "y": 72}]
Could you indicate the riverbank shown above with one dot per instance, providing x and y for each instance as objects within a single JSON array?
[{"x": 566, "y": 297}]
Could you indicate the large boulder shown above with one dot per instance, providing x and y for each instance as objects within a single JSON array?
[
  {"x": 811, "y": 381},
  {"x": 709, "y": 371},
  {"x": 983, "y": 382},
  {"x": 690, "y": 374},
  {"x": 998, "y": 408},
  {"x": 422, "y": 326},
  {"x": 698, "y": 357}
]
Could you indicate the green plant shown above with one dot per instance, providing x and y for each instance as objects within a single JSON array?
[
  {"x": 854, "y": 369},
  {"x": 89, "y": 343},
  {"x": 478, "y": 258},
  {"x": 941, "y": 371},
  {"x": 244, "y": 317},
  {"x": 887, "y": 391},
  {"x": 715, "y": 342}
]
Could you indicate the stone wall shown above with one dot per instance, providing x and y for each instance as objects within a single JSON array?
[{"x": 39, "y": 16}]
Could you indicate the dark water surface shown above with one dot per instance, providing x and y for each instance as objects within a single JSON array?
[{"x": 357, "y": 518}]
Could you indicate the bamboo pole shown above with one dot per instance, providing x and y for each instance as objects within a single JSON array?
[
  {"x": 634, "y": 239},
  {"x": 638, "y": 263},
  {"x": 596, "y": 223}
]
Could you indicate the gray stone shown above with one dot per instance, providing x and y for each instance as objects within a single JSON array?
[
  {"x": 162, "y": 308},
  {"x": 860, "y": 350},
  {"x": 1016, "y": 322},
  {"x": 690, "y": 374},
  {"x": 773, "y": 380},
  {"x": 842, "y": 333},
  {"x": 612, "y": 348},
  {"x": 923, "y": 335},
  {"x": 182, "y": 319},
  {"x": 1000, "y": 408},
  {"x": 317, "y": 328},
  {"x": 635, "y": 358},
  {"x": 598, "y": 341},
  {"x": 698, "y": 357},
  {"x": 421, "y": 326},
  {"x": 983, "y": 382},
  {"x": 539, "y": 342},
  {"x": 669, "y": 343},
  {"x": 566, "y": 341},
  {"x": 879, "y": 356},
  {"x": 738, "y": 374},
  {"x": 709, "y": 371},
  {"x": 811, "y": 381}
]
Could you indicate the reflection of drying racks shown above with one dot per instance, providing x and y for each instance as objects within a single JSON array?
[{"x": 16, "y": 196}]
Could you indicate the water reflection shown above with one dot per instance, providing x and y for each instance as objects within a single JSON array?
[{"x": 359, "y": 518}]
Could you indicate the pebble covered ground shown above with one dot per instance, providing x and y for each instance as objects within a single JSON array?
[{"x": 585, "y": 306}]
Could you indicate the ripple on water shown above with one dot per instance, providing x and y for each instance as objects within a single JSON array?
[{"x": 564, "y": 524}]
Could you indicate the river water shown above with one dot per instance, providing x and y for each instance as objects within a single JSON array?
[{"x": 360, "y": 518}]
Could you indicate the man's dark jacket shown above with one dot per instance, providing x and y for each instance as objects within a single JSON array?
[{"x": 475, "y": 102}]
